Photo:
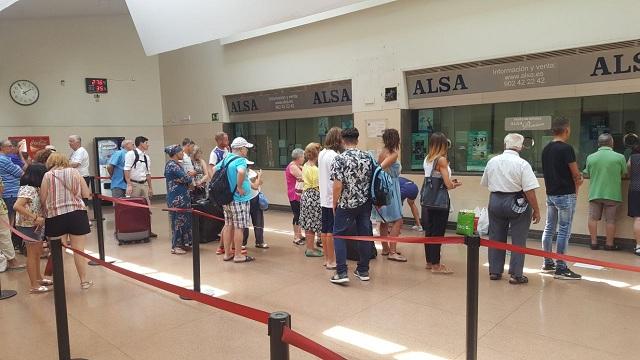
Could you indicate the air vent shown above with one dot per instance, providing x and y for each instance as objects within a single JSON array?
[{"x": 538, "y": 56}]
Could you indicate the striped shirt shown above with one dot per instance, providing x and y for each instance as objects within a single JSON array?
[
  {"x": 10, "y": 174},
  {"x": 64, "y": 193}
]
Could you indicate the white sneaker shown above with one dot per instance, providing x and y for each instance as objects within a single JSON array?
[{"x": 417, "y": 228}]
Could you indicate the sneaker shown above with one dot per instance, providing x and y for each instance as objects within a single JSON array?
[
  {"x": 637, "y": 250},
  {"x": 262, "y": 246},
  {"x": 549, "y": 268},
  {"x": 363, "y": 276},
  {"x": 566, "y": 274},
  {"x": 417, "y": 228},
  {"x": 495, "y": 276},
  {"x": 220, "y": 250},
  {"x": 339, "y": 278},
  {"x": 178, "y": 251},
  {"x": 516, "y": 280}
]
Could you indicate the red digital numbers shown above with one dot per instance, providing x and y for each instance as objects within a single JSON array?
[{"x": 96, "y": 85}]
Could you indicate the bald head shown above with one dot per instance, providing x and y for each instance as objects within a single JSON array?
[
  {"x": 75, "y": 142},
  {"x": 605, "y": 140}
]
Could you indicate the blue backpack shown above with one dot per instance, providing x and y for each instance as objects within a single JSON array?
[{"x": 380, "y": 185}]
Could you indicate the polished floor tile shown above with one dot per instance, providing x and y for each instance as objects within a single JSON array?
[{"x": 404, "y": 312}]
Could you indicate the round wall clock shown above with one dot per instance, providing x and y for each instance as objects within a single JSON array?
[{"x": 24, "y": 92}]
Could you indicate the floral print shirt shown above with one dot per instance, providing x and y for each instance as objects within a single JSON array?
[
  {"x": 354, "y": 169},
  {"x": 177, "y": 185},
  {"x": 33, "y": 196}
]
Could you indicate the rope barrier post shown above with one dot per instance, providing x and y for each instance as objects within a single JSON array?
[
  {"x": 60, "y": 301},
  {"x": 277, "y": 321},
  {"x": 97, "y": 214},
  {"x": 473, "y": 273},
  {"x": 5, "y": 294},
  {"x": 195, "y": 234}
]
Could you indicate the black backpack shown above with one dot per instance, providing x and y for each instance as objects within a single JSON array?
[
  {"x": 220, "y": 192},
  {"x": 380, "y": 185}
]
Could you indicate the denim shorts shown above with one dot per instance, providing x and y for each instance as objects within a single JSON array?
[{"x": 327, "y": 220}]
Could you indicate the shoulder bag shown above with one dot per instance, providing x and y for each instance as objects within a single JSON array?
[{"x": 434, "y": 194}]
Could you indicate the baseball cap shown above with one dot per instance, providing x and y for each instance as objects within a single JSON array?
[{"x": 240, "y": 142}]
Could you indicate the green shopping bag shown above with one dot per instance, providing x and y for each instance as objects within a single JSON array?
[{"x": 466, "y": 219}]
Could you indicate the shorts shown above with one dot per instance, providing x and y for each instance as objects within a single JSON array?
[
  {"x": 295, "y": 207},
  {"x": 237, "y": 214},
  {"x": 118, "y": 193},
  {"x": 409, "y": 191},
  {"x": 30, "y": 232},
  {"x": 608, "y": 207},
  {"x": 327, "y": 221},
  {"x": 73, "y": 223}
]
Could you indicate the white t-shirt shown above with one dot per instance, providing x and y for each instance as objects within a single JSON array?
[
  {"x": 81, "y": 156},
  {"x": 252, "y": 174},
  {"x": 213, "y": 158},
  {"x": 187, "y": 164},
  {"x": 326, "y": 185},
  {"x": 509, "y": 173},
  {"x": 141, "y": 170}
]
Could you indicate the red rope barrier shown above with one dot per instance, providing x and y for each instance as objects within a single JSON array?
[
  {"x": 238, "y": 309},
  {"x": 407, "y": 239},
  {"x": 303, "y": 343},
  {"x": 109, "y": 177},
  {"x": 18, "y": 233},
  {"x": 503, "y": 246}
]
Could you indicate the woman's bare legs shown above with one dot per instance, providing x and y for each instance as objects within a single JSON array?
[
  {"x": 77, "y": 242},
  {"x": 34, "y": 250}
]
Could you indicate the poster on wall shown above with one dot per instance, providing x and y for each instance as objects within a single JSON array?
[
  {"x": 477, "y": 150},
  {"x": 419, "y": 145},
  {"x": 425, "y": 120},
  {"x": 323, "y": 126},
  {"x": 33, "y": 143},
  {"x": 347, "y": 123}
]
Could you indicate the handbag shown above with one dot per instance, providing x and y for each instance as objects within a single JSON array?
[
  {"x": 465, "y": 223},
  {"x": 434, "y": 194}
]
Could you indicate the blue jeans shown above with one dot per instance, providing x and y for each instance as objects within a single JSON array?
[
  {"x": 354, "y": 222},
  {"x": 560, "y": 210}
]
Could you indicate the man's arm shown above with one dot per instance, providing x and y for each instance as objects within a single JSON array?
[
  {"x": 533, "y": 201},
  {"x": 337, "y": 191},
  {"x": 240, "y": 180},
  {"x": 576, "y": 175}
]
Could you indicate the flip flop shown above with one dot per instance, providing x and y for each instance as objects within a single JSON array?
[
  {"x": 16, "y": 268},
  {"x": 40, "y": 290},
  {"x": 228, "y": 258},
  {"x": 246, "y": 259},
  {"x": 46, "y": 282}
]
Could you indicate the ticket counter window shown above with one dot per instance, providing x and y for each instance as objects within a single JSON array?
[
  {"x": 477, "y": 131},
  {"x": 274, "y": 140}
]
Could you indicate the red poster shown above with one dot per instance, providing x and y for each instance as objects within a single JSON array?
[{"x": 34, "y": 143}]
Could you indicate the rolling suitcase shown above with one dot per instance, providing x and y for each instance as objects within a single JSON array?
[
  {"x": 209, "y": 228},
  {"x": 132, "y": 224}
]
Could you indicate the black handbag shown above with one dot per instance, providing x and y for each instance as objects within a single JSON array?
[{"x": 434, "y": 194}]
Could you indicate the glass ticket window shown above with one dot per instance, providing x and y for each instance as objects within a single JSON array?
[
  {"x": 275, "y": 140},
  {"x": 477, "y": 131}
]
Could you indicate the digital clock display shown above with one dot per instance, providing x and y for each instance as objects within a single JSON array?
[{"x": 96, "y": 86}]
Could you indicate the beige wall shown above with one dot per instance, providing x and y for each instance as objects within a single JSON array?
[
  {"x": 373, "y": 48},
  {"x": 47, "y": 51}
]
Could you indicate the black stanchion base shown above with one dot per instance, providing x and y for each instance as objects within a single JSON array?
[
  {"x": 93, "y": 263},
  {"x": 5, "y": 294},
  {"x": 185, "y": 298}
]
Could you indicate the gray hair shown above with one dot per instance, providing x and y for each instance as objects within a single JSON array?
[
  {"x": 605, "y": 140},
  {"x": 297, "y": 153},
  {"x": 75, "y": 138},
  {"x": 513, "y": 141},
  {"x": 127, "y": 142}
]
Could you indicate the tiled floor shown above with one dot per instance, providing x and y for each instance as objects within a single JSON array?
[{"x": 403, "y": 313}]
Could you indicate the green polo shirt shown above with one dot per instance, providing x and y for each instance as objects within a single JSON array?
[{"x": 605, "y": 168}]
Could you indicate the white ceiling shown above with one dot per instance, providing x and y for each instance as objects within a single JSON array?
[
  {"x": 35, "y": 9},
  {"x": 165, "y": 25}
]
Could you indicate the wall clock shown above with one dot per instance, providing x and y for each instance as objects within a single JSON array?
[{"x": 24, "y": 92}]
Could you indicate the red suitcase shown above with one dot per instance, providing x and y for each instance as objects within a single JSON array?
[{"x": 133, "y": 224}]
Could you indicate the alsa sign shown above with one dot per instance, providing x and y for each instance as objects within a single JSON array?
[
  {"x": 291, "y": 99},
  {"x": 565, "y": 70}
]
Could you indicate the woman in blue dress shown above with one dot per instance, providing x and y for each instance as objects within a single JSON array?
[
  {"x": 178, "y": 183},
  {"x": 390, "y": 215}
]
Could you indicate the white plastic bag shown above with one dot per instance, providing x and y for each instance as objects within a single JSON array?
[
  {"x": 483, "y": 222},
  {"x": 3, "y": 262}
]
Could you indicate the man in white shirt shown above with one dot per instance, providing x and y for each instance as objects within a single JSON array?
[
  {"x": 513, "y": 203},
  {"x": 219, "y": 152},
  {"x": 137, "y": 171},
  {"x": 79, "y": 157},
  {"x": 187, "y": 150},
  {"x": 332, "y": 146}
]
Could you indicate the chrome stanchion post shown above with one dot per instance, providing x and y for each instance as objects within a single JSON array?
[
  {"x": 97, "y": 214},
  {"x": 60, "y": 300},
  {"x": 279, "y": 350},
  {"x": 473, "y": 265}
]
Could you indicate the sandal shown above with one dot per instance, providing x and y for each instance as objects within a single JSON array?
[
  {"x": 429, "y": 266},
  {"x": 595, "y": 247},
  {"x": 397, "y": 257},
  {"x": 86, "y": 284},
  {"x": 17, "y": 267},
  {"x": 300, "y": 241},
  {"x": 45, "y": 282},
  {"x": 384, "y": 253},
  {"x": 228, "y": 258},
  {"x": 440, "y": 269},
  {"x": 313, "y": 253},
  {"x": 246, "y": 259},
  {"x": 613, "y": 247},
  {"x": 637, "y": 250},
  {"x": 330, "y": 267},
  {"x": 40, "y": 290},
  {"x": 178, "y": 251},
  {"x": 220, "y": 250}
]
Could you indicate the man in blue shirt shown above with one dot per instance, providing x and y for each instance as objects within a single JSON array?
[
  {"x": 10, "y": 174},
  {"x": 16, "y": 155},
  {"x": 236, "y": 214},
  {"x": 116, "y": 169}
]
